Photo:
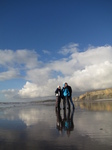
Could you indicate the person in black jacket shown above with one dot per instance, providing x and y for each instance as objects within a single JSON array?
[
  {"x": 70, "y": 96},
  {"x": 65, "y": 96},
  {"x": 58, "y": 97}
]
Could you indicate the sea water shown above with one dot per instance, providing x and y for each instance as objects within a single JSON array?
[{"x": 34, "y": 126}]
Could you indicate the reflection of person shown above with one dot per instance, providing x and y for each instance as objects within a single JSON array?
[
  {"x": 68, "y": 124},
  {"x": 70, "y": 96},
  {"x": 65, "y": 94},
  {"x": 58, "y": 96},
  {"x": 59, "y": 121}
]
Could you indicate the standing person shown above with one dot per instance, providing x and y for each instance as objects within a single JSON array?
[
  {"x": 58, "y": 97},
  {"x": 70, "y": 96},
  {"x": 65, "y": 94}
]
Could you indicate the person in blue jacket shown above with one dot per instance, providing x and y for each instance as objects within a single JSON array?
[{"x": 65, "y": 95}]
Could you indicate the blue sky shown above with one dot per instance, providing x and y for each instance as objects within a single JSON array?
[{"x": 44, "y": 43}]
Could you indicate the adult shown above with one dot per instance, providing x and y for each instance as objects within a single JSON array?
[
  {"x": 65, "y": 94},
  {"x": 58, "y": 96},
  {"x": 70, "y": 96}
]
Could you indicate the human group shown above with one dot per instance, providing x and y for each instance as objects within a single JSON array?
[{"x": 66, "y": 94}]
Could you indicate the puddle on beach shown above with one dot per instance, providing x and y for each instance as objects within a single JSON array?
[{"x": 40, "y": 126}]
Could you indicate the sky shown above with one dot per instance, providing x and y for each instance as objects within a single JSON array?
[{"x": 44, "y": 43}]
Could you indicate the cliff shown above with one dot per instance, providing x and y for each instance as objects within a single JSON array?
[{"x": 95, "y": 95}]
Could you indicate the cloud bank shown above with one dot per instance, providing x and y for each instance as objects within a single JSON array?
[{"x": 83, "y": 70}]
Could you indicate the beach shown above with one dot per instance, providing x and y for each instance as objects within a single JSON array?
[{"x": 32, "y": 126}]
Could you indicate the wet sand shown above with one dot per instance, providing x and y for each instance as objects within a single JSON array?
[{"x": 40, "y": 126}]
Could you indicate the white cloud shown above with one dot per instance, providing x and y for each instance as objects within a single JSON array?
[
  {"x": 27, "y": 58},
  {"x": 32, "y": 90},
  {"x": 87, "y": 70},
  {"x": 9, "y": 74},
  {"x": 10, "y": 93},
  {"x": 13, "y": 62},
  {"x": 70, "y": 48},
  {"x": 96, "y": 76},
  {"x": 39, "y": 75},
  {"x": 93, "y": 56},
  {"x": 29, "y": 90},
  {"x": 46, "y": 52}
]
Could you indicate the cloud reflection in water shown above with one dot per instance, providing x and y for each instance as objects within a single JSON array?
[{"x": 37, "y": 126}]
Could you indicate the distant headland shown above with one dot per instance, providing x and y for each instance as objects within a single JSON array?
[{"x": 95, "y": 95}]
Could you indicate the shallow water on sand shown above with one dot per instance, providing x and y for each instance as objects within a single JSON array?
[{"x": 40, "y": 126}]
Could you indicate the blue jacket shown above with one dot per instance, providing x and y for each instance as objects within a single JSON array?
[{"x": 65, "y": 92}]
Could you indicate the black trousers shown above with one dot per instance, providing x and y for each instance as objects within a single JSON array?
[{"x": 66, "y": 100}]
